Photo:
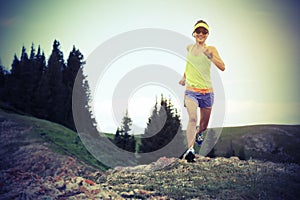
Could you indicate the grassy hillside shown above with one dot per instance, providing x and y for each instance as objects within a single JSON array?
[
  {"x": 277, "y": 143},
  {"x": 59, "y": 138}
]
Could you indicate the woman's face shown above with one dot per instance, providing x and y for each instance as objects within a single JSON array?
[{"x": 201, "y": 35}]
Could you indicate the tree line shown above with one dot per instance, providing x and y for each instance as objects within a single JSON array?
[
  {"x": 43, "y": 89},
  {"x": 163, "y": 125}
]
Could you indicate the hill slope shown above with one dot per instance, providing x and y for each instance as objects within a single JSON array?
[
  {"x": 39, "y": 156},
  {"x": 277, "y": 143},
  {"x": 19, "y": 131},
  {"x": 42, "y": 160}
]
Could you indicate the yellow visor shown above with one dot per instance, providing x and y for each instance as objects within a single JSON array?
[{"x": 201, "y": 25}]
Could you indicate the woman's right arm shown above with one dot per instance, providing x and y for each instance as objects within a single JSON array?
[{"x": 182, "y": 81}]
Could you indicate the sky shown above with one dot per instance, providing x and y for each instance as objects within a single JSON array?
[{"x": 258, "y": 41}]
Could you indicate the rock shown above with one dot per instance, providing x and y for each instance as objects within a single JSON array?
[
  {"x": 158, "y": 165},
  {"x": 60, "y": 184},
  {"x": 89, "y": 182},
  {"x": 127, "y": 194}
]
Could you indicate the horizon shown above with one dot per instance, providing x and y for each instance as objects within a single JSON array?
[{"x": 238, "y": 126}]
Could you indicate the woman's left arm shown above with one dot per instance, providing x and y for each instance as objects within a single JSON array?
[{"x": 212, "y": 53}]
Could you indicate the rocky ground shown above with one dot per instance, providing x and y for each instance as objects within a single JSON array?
[
  {"x": 167, "y": 178},
  {"x": 31, "y": 170},
  {"x": 218, "y": 178}
]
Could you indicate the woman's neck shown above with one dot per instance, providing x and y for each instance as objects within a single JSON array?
[{"x": 200, "y": 44}]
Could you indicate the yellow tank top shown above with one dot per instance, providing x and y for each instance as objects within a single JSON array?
[{"x": 197, "y": 71}]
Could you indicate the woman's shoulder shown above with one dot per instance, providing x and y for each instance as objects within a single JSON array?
[{"x": 211, "y": 47}]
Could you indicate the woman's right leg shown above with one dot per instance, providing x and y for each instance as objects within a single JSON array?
[{"x": 191, "y": 107}]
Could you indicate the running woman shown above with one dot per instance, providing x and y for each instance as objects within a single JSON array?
[{"x": 199, "y": 90}]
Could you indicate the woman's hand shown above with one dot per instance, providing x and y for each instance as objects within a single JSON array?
[
  {"x": 182, "y": 81},
  {"x": 212, "y": 53},
  {"x": 208, "y": 52}
]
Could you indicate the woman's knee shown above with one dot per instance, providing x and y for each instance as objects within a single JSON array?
[{"x": 192, "y": 119}]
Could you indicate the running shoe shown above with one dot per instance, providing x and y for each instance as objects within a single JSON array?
[
  {"x": 199, "y": 138},
  {"x": 189, "y": 155}
]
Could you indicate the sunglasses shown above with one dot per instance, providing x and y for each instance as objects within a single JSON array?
[{"x": 201, "y": 30}]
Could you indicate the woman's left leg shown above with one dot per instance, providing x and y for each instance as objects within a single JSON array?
[{"x": 204, "y": 118}]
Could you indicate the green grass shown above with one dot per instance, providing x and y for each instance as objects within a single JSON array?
[
  {"x": 108, "y": 135},
  {"x": 61, "y": 139},
  {"x": 137, "y": 139}
]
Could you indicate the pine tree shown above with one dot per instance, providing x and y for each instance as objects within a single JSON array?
[
  {"x": 40, "y": 91},
  {"x": 74, "y": 63},
  {"x": 25, "y": 82},
  {"x": 117, "y": 139},
  {"x": 128, "y": 139},
  {"x": 15, "y": 67},
  {"x": 56, "y": 105},
  {"x": 126, "y": 123},
  {"x": 13, "y": 87},
  {"x": 3, "y": 74},
  {"x": 122, "y": 138},
  {"x": 41, "y": 62},
  {"x": 82, "y": 114},
  {"x": 37, "y": 65},
  {"x": 30, "y": 80},
  {"x": 10, "y": 84},
  {"x": 163, "y": 125},
  {"x": 155, "y": 123},
  {"x": 42, "y": 97}
]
